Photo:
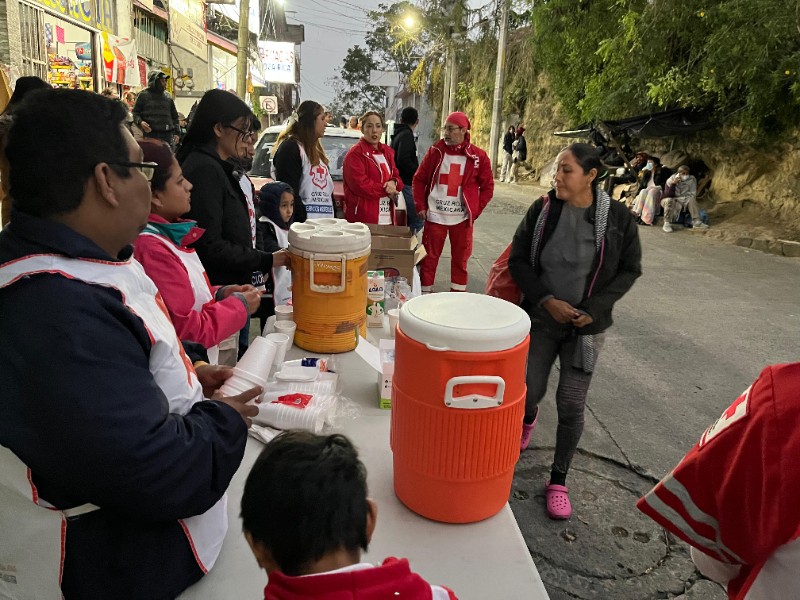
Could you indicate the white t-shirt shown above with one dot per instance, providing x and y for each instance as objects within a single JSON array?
[
  {"x": 247, "y": 188},
  {"x": 384, "y": 213},
  {"x": 446, "y": 198}
]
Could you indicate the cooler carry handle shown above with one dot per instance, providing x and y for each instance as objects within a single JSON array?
[
  {"x": 474, "y": 400},
  {"x": 327, "y": 289}
]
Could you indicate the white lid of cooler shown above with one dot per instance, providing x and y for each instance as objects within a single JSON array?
[
  {"x": 330, "y": 236},
  {"x": 464, "y": 322}
]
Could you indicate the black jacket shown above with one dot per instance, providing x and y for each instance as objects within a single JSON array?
[
  {"x": 508, "y": 139},
  {"x": 97, "y": 428},
  {"x": 219, "y": 206},
  {"x": 288, "y": 167},
  {"x": 158, "y": 109},
  {"x": 405, "y": 152},
  {"x": 522, "y": 148},
  {"x": 621, "y": 261}
]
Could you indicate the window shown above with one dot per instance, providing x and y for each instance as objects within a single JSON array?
[{"x": 34, "y": 54}]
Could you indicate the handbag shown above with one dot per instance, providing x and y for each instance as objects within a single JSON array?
[{"x": 499, "y": 283}]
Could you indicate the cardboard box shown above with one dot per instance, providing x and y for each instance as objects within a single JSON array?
[
  {"x": 395, "y": 251},
  {"x": 386, "y": 375}
]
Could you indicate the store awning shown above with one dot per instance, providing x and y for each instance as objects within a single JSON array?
[{"x": 669, "y": 123}]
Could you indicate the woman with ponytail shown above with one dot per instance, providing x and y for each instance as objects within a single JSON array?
[{"x": 300, "y": 161}]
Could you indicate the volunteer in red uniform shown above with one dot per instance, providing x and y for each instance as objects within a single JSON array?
[
  {"x": 371, "y": 180},
  {"x": 451, "y": 188},
  {"x": 733, "y": 497}
]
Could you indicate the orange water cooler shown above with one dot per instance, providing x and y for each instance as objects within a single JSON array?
[
  {"x": 329, "y": 283},
  {"x": 458, "y": 399}
]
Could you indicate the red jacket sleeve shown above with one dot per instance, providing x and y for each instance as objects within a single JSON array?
[
  {"x": 485, "y": 183},
  {"x": 422, "y": 179},
  {"x": 209, "y": 326},
  {"x": 387, "y": 150},
  {"x": 734, "y": 495}
]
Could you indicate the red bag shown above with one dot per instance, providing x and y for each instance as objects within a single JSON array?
[{"x": 499, "y": 283}]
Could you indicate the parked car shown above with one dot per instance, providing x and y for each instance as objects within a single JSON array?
[{"x": 336, "y": 142}]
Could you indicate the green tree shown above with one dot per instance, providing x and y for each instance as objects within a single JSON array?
[
  {"x": 354, "y": 95},
  {"x": 611, "y": 58}
]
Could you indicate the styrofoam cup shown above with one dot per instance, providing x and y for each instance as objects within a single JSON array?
[
  {"x": 287, "y": 327},
  {"x": 240, "y": 382},
  {"x": 269, "y": 326},
  {"x": 394, "y": 319},
  {"x": 284, "y": 312},
  {"x": 281, "y": 340},
  {"x": 259, "y": 358}
]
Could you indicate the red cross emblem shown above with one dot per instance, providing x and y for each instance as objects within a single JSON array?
[
  {"x": 452, "y": 179},
  {"x": 318, "y": 177}
]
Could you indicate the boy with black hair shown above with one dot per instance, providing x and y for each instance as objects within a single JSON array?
[{"x": 307, "y": 517}]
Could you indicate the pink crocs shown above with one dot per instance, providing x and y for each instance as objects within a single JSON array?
[
  {"x": 527, "y": 433},
  {"x": 558, "y": 505}
]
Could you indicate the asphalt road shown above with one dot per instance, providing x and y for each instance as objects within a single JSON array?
[{"x": 692, "y": 334}]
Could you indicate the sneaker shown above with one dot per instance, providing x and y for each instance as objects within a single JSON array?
[
  {"x": 699, "y": 225},
  {"x": 667, "y": 227},
  {"x": 527, "y": 433}
]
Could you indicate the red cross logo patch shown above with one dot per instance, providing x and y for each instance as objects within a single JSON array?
[
  {"x": 319, "y": 177},
  {"x": 452, "y": 179}
]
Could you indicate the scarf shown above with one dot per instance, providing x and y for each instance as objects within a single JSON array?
[
  {"x": 175, "y": 232},
  {"x": 585, "y": 352}
]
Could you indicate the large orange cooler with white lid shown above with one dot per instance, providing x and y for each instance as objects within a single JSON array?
[
  {"x": 329, "y": 283},
  {"x": 458, "y": 400}
]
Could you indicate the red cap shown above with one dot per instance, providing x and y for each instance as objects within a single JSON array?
[{"x": 458, "y": 118}]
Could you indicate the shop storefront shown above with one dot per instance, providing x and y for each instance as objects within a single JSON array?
[{"x": 61, "y": 41}]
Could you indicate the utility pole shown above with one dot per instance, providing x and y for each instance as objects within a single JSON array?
[
  {"x": 451, "y": 100},
  {"x": 243, "y": 50},
  {"x": 499, "y": 83},
  {"x": 446, "y": 84}
]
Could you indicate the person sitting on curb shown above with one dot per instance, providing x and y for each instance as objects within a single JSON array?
[
  {"x": 683, "y": 186},
  {"x": 733, "y": 497},
  {"x": 307, "y": 517}
]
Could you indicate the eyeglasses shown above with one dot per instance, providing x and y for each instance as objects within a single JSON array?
[
  {"x": 147, "y": 169},
  {"x": 451, "y": 128},
  {"x": 252, "y": 135}
]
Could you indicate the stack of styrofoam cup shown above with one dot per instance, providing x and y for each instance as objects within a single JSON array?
[
  {"x": 253, "y": 368},
  {"x": 269, "y": 326},
  {"x": 394, "y": 319},
  {"x": 284, "y": 312},
  {"x": 282, "y": 342},
  {"x": 287, "y": 327}
]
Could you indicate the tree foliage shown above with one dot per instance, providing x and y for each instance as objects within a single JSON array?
[
  {"x": 354, "y": 95},
  {"x": 608, "y": 59}
]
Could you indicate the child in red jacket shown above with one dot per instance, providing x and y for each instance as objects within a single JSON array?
[{"x": 306, "y": 516}]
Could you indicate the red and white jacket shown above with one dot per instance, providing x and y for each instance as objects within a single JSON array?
[
  {"x": 477, "y": 184},
  {"x": 392, "y": 579},
  {"x": 364, "y": 180},
  {"x": 734, "y": 496},
  {"x": 189, "y": 298}
]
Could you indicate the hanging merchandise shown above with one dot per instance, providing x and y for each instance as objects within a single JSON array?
[
  {"x": 120, "y": 61},
  {"x": 70, "y": 59}
]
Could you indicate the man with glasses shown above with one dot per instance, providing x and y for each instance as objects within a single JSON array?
[
  {"x": 113, "y": 467},
  {"x": 155, "y": 113},
  {"x": 451, "y": 188}
]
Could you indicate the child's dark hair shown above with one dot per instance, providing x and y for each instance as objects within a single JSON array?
[{"x": 306, "y": 496}]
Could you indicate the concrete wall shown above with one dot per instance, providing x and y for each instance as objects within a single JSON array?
[{"x": 10, "y": 38}]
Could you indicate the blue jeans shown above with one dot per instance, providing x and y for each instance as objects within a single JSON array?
[{"x": 411, "y": 210}]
